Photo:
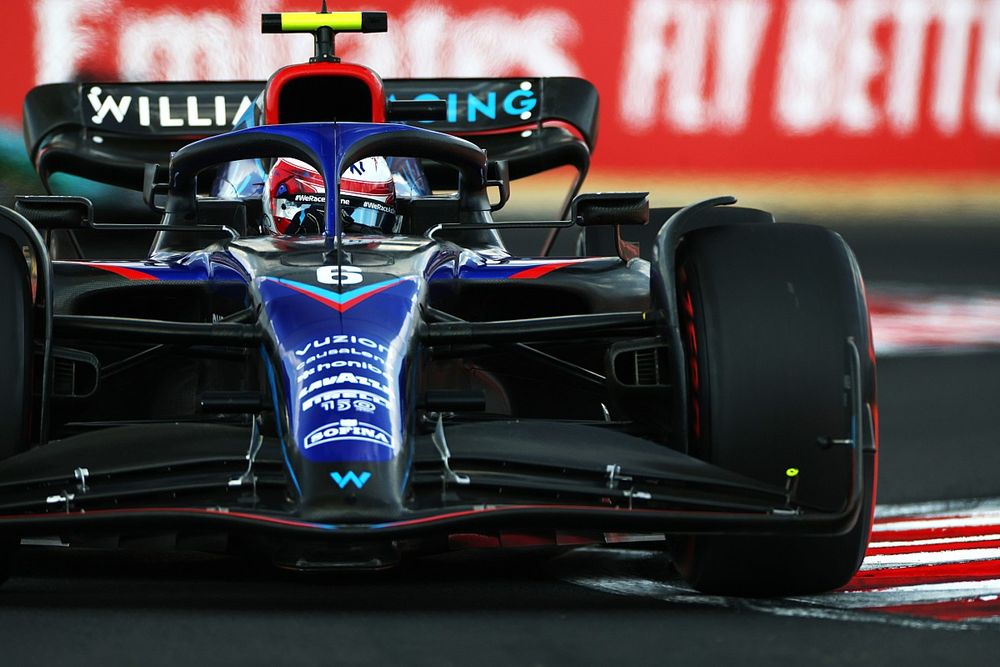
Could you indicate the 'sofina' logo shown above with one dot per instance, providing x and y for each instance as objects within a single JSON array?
[
  {"x": 346, "y": 430},
  {"x": 350, "y": 478}
]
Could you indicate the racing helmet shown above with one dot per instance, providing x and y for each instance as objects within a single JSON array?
[
  {"x": 368, "y": 196},
  {"x": 294, "y": 198}
]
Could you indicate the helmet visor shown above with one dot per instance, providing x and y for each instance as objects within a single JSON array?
[{"x": 369, "y": 213}]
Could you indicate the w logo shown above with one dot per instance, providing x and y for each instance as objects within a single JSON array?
[{"x": 350, "y": 478}]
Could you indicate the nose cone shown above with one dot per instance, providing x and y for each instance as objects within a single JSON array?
[{"x": 345, "y": 376}]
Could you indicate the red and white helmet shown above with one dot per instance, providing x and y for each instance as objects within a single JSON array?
[
  {"x": 368, "y": 195},
  {"x": 294, "y": 197}
]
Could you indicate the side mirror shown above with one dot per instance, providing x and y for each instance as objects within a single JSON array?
[
  {"x": 155, "y": 183},
  {"x": 613, "y": 209},
  {"x": 50, "y": 212},
  {"x": 498, "y": 175},
  {"x": 610, "y": 208}
]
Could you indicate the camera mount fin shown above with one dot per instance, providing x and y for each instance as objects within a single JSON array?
[{"x": 324, "y": 26}]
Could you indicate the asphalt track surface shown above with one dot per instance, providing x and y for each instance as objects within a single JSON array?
[{"x": 940, "y": 440}]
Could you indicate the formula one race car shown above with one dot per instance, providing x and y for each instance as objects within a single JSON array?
[{"x": 287, "y": 372}]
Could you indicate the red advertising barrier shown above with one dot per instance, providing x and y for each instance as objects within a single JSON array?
[{"x": 818, "y": 87}]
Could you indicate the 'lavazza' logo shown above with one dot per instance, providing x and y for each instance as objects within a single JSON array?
[{"x": 347, "y": 430}]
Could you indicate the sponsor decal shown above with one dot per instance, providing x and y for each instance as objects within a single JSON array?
[
  {"x": 306, "y": 198},
  {"x": 350, "y": 478},
  {"x": 347, "y": 430},
  {"x": 119, "y": 106},
  {"x": 344, "y": 389},
  {"x": 360, "y": 364},
  {"x": 339, "y": 364},
  {"x": 330, "y": 401},
  {"x": 333, "y": 352},
  {"x": 341, "y": 339},
  {"x": 492, "y": 104},
  {"x": 344, "y": 378},
  {"x": 381, "y": 208},
  {"x": 347, "y": 405}
]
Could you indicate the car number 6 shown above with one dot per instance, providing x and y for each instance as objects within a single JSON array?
[{"x": 332, "y": 275}]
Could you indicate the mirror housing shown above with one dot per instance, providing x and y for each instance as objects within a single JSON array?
[
  {"x": 155, "y": 183},
  {"x": 613, "y": 209},
  {"x": 50, "y": 212},
  {"x": 498, "y": 175},
  {"x": 610, "y": 208}
]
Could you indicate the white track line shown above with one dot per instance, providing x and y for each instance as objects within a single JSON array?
[
  {"x": 906, "y": 595},
  {"x": 990, "y": 519},
  {"x": 877, "y": 561},
  {"x": 933, "y": 541}
]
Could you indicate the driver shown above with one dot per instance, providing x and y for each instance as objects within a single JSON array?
[{"x": 294, "y": 198}]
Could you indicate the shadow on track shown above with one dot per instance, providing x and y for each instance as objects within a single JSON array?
[{"x": 53, "y": 579}]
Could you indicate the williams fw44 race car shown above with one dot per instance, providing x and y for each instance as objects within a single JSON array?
[{"x": 283, "y": 320}]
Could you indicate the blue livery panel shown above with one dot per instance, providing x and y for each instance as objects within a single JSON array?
[{"x": 344, "y": 360}]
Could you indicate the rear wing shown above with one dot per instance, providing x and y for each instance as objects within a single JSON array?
[{"x": 108, "y": 132}]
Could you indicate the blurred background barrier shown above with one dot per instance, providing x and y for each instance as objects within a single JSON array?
[{"x": 888, "y": 107}]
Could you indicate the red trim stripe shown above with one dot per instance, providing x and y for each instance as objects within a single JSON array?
[
  {"x": 81, "y": 514},
  {"x": 347, "y": 305},
  {"x": 527, "y": 127},
  {"x": 544, "y": 269},
  {"x": 123, "y": 271}
]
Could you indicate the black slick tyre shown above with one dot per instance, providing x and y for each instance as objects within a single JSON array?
[
  {"x": 15, "y": 349},
  {"x": 766, "y": 311}
]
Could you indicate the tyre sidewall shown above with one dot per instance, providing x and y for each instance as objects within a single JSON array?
[{"x": 772, "y": 308}]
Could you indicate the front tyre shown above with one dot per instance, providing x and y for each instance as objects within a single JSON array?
[{"x": 766, "y": 311}]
